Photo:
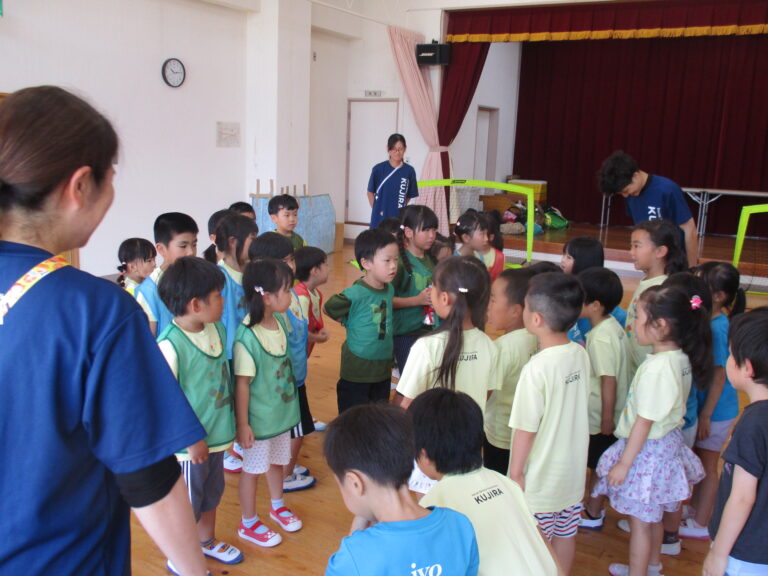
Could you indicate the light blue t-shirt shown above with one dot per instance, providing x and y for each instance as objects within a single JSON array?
[
  {"x": 234, "y": 308},
  {"x": 727, "y": 406},
  {"x": 442, "y": 543}
]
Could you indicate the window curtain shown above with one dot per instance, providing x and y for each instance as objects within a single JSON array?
[{"x": 418, "y": 89}]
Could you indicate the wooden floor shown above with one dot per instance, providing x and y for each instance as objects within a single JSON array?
[{"x": 326, "y": 520}]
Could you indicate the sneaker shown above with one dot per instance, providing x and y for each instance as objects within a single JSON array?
[
  {"x": 623, "y": 570},
  {"x": 320, "y": 425},
  {"x": 266, "y": 539},
  {"x": 301, "y": 470},
  {"x": 232, "y": 463},
  {"x": 691, "y": 529},
  {"x": 171, "y": 568},
  {"x": 671, "y": 548},
  {"x": 223, "y": 552},
  {"x": 592, "y": 523},
  {"x": 295, "y": 482},
  {"x": 287, "y": 520},
  {"x": 237, "y": 449}
]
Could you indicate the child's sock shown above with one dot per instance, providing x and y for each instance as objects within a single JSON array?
[
  {"x": 277, "y": 504},
  {"x": 654, "y": 569},
  {"x": 670, "y": 537},
  {"x": 250, "y": 522},
  {"x": 209, "y": 543}
]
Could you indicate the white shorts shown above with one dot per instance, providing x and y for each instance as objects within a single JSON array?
[
  {"x": 275, "y": 451},
  {"x": 718, "y": 436},
  {"x": 689, "y": 435}
]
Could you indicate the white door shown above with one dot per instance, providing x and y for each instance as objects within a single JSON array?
[
  {"x": 482, "y": 130},
  {"x": 371, "y": 122}
]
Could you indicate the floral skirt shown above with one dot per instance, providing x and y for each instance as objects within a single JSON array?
[{"x": 660, "y": 477}]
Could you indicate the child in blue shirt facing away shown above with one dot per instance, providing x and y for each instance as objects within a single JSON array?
[{"x": 370, "y": 449}]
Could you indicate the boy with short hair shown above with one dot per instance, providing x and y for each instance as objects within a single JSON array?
[
  {"x": 194, "y": 345},
  {"x": 284, "y": 213},
  {"x": 739, "y": 523},
  {"x": 609, "y": 379},
  {"x": 516, "y": 346},
  {"x": 175, "y": 237},
  {"x": 370, "y": 450},
  {"x": 448, "y": 428},
  {"x": 311, "y": 273},
  {"x": 243, "y": 208},
  {"x": 365, "y": 310},
  {"x": 549, "y": 417}
]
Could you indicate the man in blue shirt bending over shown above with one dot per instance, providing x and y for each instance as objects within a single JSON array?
[{"x": 649, "y": 196}]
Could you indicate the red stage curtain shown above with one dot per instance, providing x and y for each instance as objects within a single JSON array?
[
  {"x": 614, "y": 20},
  {"x": 691, "y": 109},
  {"x": 460, "y": 80}
]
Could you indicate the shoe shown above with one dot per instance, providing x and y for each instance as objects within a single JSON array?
[
  {"x": 320, "y": 425},
  {"x": 223, "y": 552},
  {"x": 623, "y": 525},
  {"x": 592, "y": 523},
  {"x": 232, "y": 463},
  {"x": 287, "y": 520},
  {"x": 396, "y": 372},
  {"x": 171, "y": 568},
  {"x": 266, "y": 539},
  {"x": 671, "y": 548},
  {"x": 295, "y": 482},
  {"x": 300, "y": 470},
  {"x": 688, "y": 511},
  {"x": 691, "y": 529},
  {"x": 623, "y": 570},
  {"x": 237, "y": 449}
]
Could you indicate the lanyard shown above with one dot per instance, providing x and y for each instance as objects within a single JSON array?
[
  {"x": 29, "y": 279},
  {"x": 387, "y": 178}
]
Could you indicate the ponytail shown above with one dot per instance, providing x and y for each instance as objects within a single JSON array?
[
  {"x": 260, "y": 277},
  {"x": 238, "y": 227},
  {"x": 122, "y": 269},
  {"x": 210, "y": 254},
  {"x": 467, "y": 280},
  {"x": 130, "y": 250},
  {"x": 664, "y": 233},
  {"x": 723, "y": 277}
]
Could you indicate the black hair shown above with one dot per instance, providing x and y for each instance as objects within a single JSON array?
[
  {"x": 689, "y": 324},
  {"x": 416, "y": 217},
  {"x": 692, "y": 285},
  {"x": 130, "y": 250},
  {"x": 468, "y": 222},
  {"x": 187, "y": 278},
  {"x": 557, "y": 297},
  {"x": 517, "y": 284},
  {"x": 307, "y": 258},
  {"x": 440, "y": 243},
  {"x": 664, "y": 233},
  {"x": 747, "y": 335},
  {"x": 601, "y": 285},
  {"x": 213, "y": 222},
  {"x": 277, "y": 203},
  {"x": 270, "y": 245},
  {"x": 394, "y": 139},
  {"x": 242, "y": 208},
  {"x": 171, "y": 224},
  {"x": 389, "y": 225},
  {"x": 374, "y": 439},
  {"x": 616, "y": 173},
  {"x": 585, "y": 251},
  {"x": 543, "y": 267},
  {"x": 468, "y": 281},
  {"x": 448, "y": 426},
  {"x": 368, "y": 242},
  {"x": 494, "y": 229},
  {"x": 238, "y": 227},
  {"x": 260, "y": 276},
  {"x": 724, "y": 277}
]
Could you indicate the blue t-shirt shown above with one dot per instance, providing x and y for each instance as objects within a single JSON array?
[
  {"x": 298, "y": 335},
  {"x": 661, "y": 198},
  {"x": 391, "y": 188},
  {"x": 148, "y": 289},
  {"x": 86, "y": 394},
  {"x": 727, "y": 406},
  {"x": 441, "y": 543},
  {"x": 234, "y": 309}
]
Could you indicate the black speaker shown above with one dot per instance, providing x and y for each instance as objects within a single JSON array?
[{"x": 433, "y": 54}]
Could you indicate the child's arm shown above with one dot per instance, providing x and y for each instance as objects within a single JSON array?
[
  {"x": 608, "y": 397},
  {"x": 637, "y": 437},
  {"x": 737, "y": 510},
  {"x": 423, "y": 298},
  {"x": 242, "y": 397},
  {"x": 338, "y": 306},
  {"x": 713, "y": 397},
  {"x": 320, "y": 336},
  {"x": 522, "y": 443}
]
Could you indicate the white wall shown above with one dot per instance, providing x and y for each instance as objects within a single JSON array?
[{"x": 110, "y": 52}]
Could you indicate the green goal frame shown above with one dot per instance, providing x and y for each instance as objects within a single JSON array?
[
  {"x": 508, "y": 188},
  {"x": 746, "y": 212}
]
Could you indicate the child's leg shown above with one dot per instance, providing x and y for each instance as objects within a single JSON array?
[
  {"x": 379, "y": 391},
  {"x": 206, "y": 527},
  {"x": 295, "y": 449},
  {"x": 644, "y": 544},
  {"x": 275, "y": 481},
  {"x": 706, "y": 490},
  {"x": 247, "y": 493},
  {"x": 349, "y": 394},
  {"x": 565, "y": 550}
]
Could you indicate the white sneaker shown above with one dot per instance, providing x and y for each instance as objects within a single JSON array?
[
  {"x": 237, "y": 449},
  {"x": 232, "y": 463},
  {"x": 592, "y": 523},
  {"x": 670, "y": 549},
  {"x": 320, "y": 425},
  {"x": 299, "y": 470},
  {"x": 691, "y": 529},
  {"x": 296, "y": 482},
  {"x": 623, "y": 570}
]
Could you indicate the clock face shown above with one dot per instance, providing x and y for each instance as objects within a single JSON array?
[{"x": 173, "y": 72}]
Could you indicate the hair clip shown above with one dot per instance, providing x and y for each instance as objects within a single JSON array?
[
  {"x": 123, "y": 263},
  {"x": 402, "y": 227},
  {"x": 463, "y": 290},
  {"x": 259, "y": 289},
  {"x": 696, "y": 303}
]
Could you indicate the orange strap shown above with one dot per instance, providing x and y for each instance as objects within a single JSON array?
[{"x": 29, "y": 279}]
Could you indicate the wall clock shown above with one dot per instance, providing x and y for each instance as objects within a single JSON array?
[{"x": 173, "y": 72}]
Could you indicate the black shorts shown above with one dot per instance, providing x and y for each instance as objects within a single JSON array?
[
  {"x": 495, "y": 458},
  {"x": 349, "y": 394},
  {"x": 306, "y": 423},
  {"x": 598, "y": 443}
]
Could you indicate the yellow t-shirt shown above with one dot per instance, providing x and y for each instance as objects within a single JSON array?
[
  {"x": 477, "y": 371},
  {"x": 273, "y": 341},
  {"x": 608, "y": 356},
  {"x": 658, "y": 392},
  {"x": 508, "y": 538},
  {"x": 515, "y": 349},
  {"x": 206, "y": 340},
  {"x": 236, "y": 275},
  {"x": 551, "y": 400},
  {"x": 156, "y": 273},
  {"x": 637, "y": 352}
]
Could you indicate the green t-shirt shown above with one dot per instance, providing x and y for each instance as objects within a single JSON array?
[
  {"x": 366, "y": 313},
  {"x": 410, "y": 320},
  {"x": 297, "y": 241}
]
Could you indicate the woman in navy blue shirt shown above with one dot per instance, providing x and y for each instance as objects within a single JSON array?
[{"x": 392, "y": 183}]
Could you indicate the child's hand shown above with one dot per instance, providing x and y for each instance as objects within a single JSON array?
[
  {"x": 714, "y": 565},
  {"x": 245, "y": 436},
  {"x": 198, "y": 452},
  {"x": 426, "y": 297},
  {"x": 322, "y": 335},
  {"x": 704, "y": 429},
  {"x": 618, "y": 474},
  {"x": 606, "y": 426}
]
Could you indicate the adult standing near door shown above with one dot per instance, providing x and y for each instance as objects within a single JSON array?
[
  {"x": 392, "y": 183},
  {"x": 91, "y": 415}
]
